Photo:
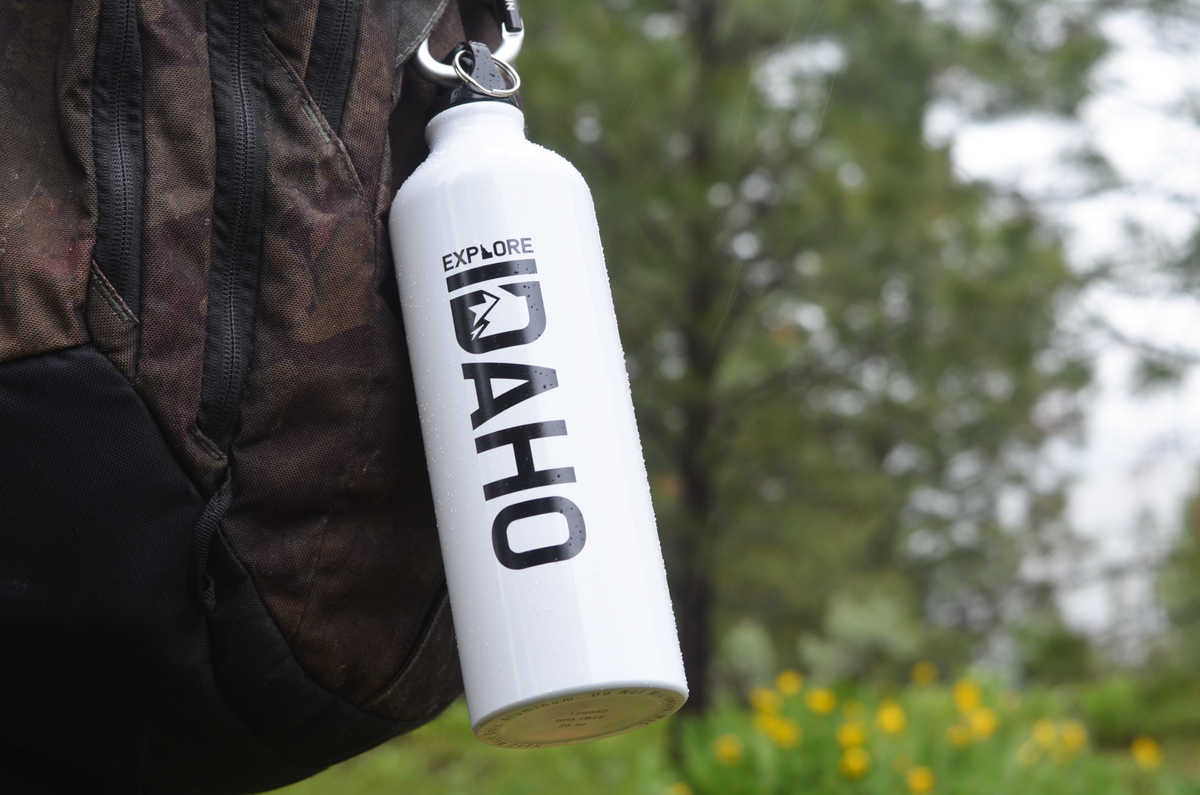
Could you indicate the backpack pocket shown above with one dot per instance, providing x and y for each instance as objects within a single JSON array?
[
  {"x": 331, "y": 58},
  {"x": 235, "y": 53},
  {"x": 120, "y": 158},
  {"x": 329, "y": 517}
]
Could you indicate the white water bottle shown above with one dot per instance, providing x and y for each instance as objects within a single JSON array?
[{"x": 556, "y": 580}]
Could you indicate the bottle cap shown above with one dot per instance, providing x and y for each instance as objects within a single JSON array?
[{"x": 476, "y": 61}]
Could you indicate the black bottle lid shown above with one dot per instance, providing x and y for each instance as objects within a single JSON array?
[{"x": 476, "y": 60}]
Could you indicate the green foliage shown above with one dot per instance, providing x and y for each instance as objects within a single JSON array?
[
  {"x": 841, "y": 354},
  {"x": 1156, "y": 372},
  {"x": 1179, "y": 587},
  {"x": 1052, "y": 653},
  {"x": 973, "y": 739},
  {"x": 1159, "y": 703},
  {"x": 977, "y": 742},
  {"x": 867, "y": 633},
  {"x": 444, "y": 757},
  {"x": 1113, "y": 709}
]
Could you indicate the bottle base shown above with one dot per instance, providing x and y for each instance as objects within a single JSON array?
[{"x": 577, "y": 717}]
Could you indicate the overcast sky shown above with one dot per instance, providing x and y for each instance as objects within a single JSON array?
[{"x": 1141, "y": 456}]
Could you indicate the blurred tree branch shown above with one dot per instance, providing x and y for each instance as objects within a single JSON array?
[{"x": 832, "y": 341}]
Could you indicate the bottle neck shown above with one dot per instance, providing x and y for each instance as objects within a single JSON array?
[{"x": 478, "y": 125}]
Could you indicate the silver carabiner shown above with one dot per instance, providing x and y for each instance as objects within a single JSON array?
[{"x": 446, "y": 75}]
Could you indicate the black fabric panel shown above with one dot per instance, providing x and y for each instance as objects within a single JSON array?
[
  {"x": 267, "y": 687},
  {"x": 235, "y": 52},
  {"x": 22, "y": 775},
  {"x": 331, "y": 58},
  {"x": 118, "y": 149},
  {"x": 105, "y": 664}
]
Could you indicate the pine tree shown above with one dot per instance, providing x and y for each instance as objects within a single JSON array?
[{"x": 842, "y": 355}]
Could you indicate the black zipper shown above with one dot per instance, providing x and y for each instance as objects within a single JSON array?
[
  {"x": 331, "y": 57},
  {"x": 235, "y": 53},
  {"x": 118, "y": 149}
]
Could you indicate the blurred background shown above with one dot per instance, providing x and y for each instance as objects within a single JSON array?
[{"x": 909, "y": 292}]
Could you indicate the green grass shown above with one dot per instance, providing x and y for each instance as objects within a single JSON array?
[
  {"x": 444, "y": 757},
  {"x": 1034, "y": 743}
]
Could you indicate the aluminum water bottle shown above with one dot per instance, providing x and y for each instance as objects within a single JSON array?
[{"x": 556, "y": 579}]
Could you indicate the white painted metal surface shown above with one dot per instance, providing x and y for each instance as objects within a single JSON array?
[{"x": 556, "y": 580}]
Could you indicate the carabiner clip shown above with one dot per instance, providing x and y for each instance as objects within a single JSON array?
[{"x": 512, "y": 34}]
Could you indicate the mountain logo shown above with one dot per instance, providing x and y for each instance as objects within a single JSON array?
[{"x": 481, "y": 311}]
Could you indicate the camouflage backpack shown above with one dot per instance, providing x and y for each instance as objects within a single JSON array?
[{"x": 219, "y": 569}]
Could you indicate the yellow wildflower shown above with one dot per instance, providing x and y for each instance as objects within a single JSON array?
[
  {"x": 1045, "y": 733},
  {"x": 1146, "y": 752},
  {"x": 924, "y": 673},
  {"x": 855, "y": 763},
  {"x": 679, "y": 788},
  {"x": 784, "y": 732},
  {"x": 920, "y": 780},
  {"x": 966, "y": 696},
  {"x": 958, "y": 735},
  {"x": 728, "y": 749},
  {"x": 765, "y": 700},
  {"x": 851, "y": 734},
  {"x": 1074, "y": 735},
  {"x": 820, "y": 701},
  {"x": 982, "y": 723},
  {"x": 789, "y": 682},
  {"x": 890, "y": 717},
  {"x": 1028, "y": 753}
]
